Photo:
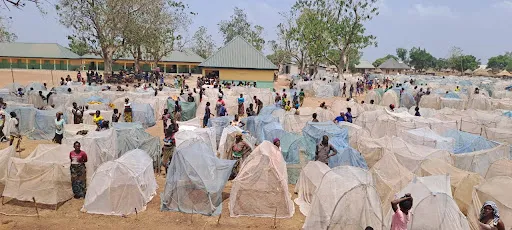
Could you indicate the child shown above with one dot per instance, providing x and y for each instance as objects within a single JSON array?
[
  {"x": 287, "y": 107},
  {"x": 417, "y": 112},
  {"x": 401, "y": 208}
]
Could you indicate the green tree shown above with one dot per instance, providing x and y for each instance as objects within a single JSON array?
[
  {"x": 402, "y": 54},
  {"x": 381, "y": 60},
  {"x": 279, "y": 55},
  {"x": 342, "y": 25},
  {"x": 5, "y": 34},
  {"x": 101, "y": 24},
  {"x": 77, "y": 46},
  {"x": 203, "y": 43},
  {"x": 291, "y": 36},
  {"x": 441, "y": 63},
  {"x": 239, "y": 25},
  {"x": 499, "y": 62},
  {"x": 421, "y": 59},
  {"x": 461, "y": 62}
]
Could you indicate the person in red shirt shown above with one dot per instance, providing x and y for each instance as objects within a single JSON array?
[
  {"x": 401, "y": 207},
  {"x": 78, "y": 171}
]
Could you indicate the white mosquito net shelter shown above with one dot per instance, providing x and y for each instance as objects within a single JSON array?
[
  {"x": 335, "y": 196},
  {"x": 501, "y": 167},
  {"x": 390, "y": 177},
  {"x": 132, "y": 135},
  {"x": 309, "y": 180},
  {"x": 198, "y": 134},
  {"x": 5, "y": 156},
  {"x": 462, "y": 182},
  {"x": 433, "y": 205},
  {"x": 261, "y": 187},
  {"x": 427, "y": 137},
  {"x": 195, "y": 180},
  {"x": 390, "y": 97},
  {"x": 123, "y": 186},
  {"x": 480, "y": 161},
  {"x": 72, "y": 130},
  {"x": 496, "y": 189},
  {"x": 44, "y": 175},
  {"x": 100, "y": 147}
]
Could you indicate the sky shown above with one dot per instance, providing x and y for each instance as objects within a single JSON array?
[{"x": 479, "y": 27}]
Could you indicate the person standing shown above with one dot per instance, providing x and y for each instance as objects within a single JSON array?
[
  {"x": 239, "y": 151},
  {"x": 128, "y": 116},
  {"x": 344, "y": 90},
  {"x": 314, "y": 118},
  {"x": 2, "y": 123},
  {"x": 302, "y": 95},
  {"x": 259, "y": 105},
  {"x": 339, "y": 118},
  {"x": 241, "y": 108},
  {"x": 78, "y": 171},
  {"x": 177, "y": 111},
  {"x": 250, "y": 111},
  {"x": 220, "y": 103},
  {"x": 78, "y": 114},
  {"x": 116, "y": 115},
  {"x": 351, "y": 91},
  {"x": 323, "y": 150},
  {"x": 401, "y": 208},
  {"x": 207, "y": 114},
  {"x": 79, "y": 77},
  {"x": 13, "y": 129},
  {"x": 348, "y": 115},
  {"x": 59, "y": 128}
]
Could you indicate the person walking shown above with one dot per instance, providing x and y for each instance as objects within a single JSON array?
[
  {"x": 241, "y": 108},
  {"x": 78, "y": 171},
  {"x": 59, "y": 128},
  {"x": 401, "y": 207},
  {"x": 207, "y": 114}
]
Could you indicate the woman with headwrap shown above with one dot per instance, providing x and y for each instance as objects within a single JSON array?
[
  {"x": 127, "y": 110},
  {"x": 490, "y": 217}
]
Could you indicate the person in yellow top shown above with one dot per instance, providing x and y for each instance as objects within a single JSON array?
[
  {"x": 287, "y": 107},
  {"x": 97, "y": 118},
  {"x": 457, "y": 89}
]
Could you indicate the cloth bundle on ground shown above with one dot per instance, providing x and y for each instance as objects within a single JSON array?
[
  {"x": 123, "y": 186},
  {"x": 195, "y": 180}
]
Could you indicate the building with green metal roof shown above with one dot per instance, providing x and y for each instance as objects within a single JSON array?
[
  {"x": 240, "y": 61},
  {"x": 52, "y": 56}
]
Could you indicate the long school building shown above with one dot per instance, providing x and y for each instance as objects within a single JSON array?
[
  {"x": 51, "y": 56},
  {"x": 240, "y": 61}
]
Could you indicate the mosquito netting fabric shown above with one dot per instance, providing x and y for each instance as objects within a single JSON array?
[
  {"x": 5, "y": 156},
  {"x": 433, "y": 206},
  {"x": 501, "y": 167},
  {"x": 188, "y": 109},
  {"x": 390, "y": 97},
  {"x": 310, "y": 177},
  {"x": 390, "y": 177},
  {"x": 26, "y": 115},
  {"x": 467, "y": 142},
  {"x": 261, "y": 187},
  {"x": 338, "y": 190},
  {"x": 74, "y": 130},
  {"x": 99, "y": 146},
  {"x": 255, "y": 124},
  {"x": 314, "y": 131},
  {"x": 480, "y": 102},
  {"x": 427, "y": 137},
  {"x": 495, "y": 189},
  {"x": 432, "y": 101},
  {"x": 462, "y": 182},
  {"x": 480, "y": 161},
  {"x": 132, "y": 135},
  {"x": 44, "y": 125},
  {"x": 453, "y": 103},
  {"x": 123, "y": 186},
  {"x": 219, "y": 123},
  {"x": 207, "y": 135},
  {"x": 43, "y": 175}
]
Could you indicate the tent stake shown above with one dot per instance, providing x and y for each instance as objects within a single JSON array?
[
  {"x": 275, "y": 219},
  {"x": 218, "y": 219},
  {"x": 35, "y": 205},
  {"x": 136, "y": 214}
]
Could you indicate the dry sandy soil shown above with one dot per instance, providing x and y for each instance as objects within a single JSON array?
[{"x": 69, "y": 216}]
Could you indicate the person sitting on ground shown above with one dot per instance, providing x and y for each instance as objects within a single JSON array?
[
  {"x": 314, "y": 118},
  {"x": 457, "y": 89},
  {"x": 250, "y": 111},
  {"x": 339, "y": 118},
  {"x": 97, "y": 119},
  {"x": 323, "y": 150},
  {"x": 392, "y": 107},
  {"x": 477, "y": 91},
  {"x": 489, "y": 218},
  {"x": 277, "y": 143},
  {"x": 20, "y": 93},
  {"x": 401, "y": 208},
  {"x": 417, "y": 109},
  {"x": 236, "y": 122},
  {"x": 190, "y": 98},
  {"x": 323, "y": 106}
]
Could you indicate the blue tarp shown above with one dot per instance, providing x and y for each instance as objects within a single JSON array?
[{"x": 347, "y": 156}]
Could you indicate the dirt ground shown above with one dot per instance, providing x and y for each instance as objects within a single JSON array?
[{"x": 69, "y": 216}]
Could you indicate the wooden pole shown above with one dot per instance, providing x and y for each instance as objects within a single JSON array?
[
  {"x": 275, "y": 219},
  {"x": 35, "y": 205},
  {"x": 218, "y": 220},
  {"x": 136, "y": 214},
  {"x": 12, "y": 75}
]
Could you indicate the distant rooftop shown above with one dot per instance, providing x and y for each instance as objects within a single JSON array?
[{"x": 36, "y": 50}]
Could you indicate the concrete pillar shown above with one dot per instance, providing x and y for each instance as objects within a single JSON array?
[
  {"x": 177, "y": 69},
  {"x": 40, "y": 63},
  {"x": 26, "y": 63},
  {"x": 189, "y": 69},
  {"x": 67, "y": 65},
  {"x": 165, "y": 68},
  {"x": 10, "y": 62},
  {"x": 125, "y": 65},
  {"x": 54, "y": 65},
  {"x": 96, "y": 64}
]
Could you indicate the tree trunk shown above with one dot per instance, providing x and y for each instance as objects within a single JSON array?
[
  {"x": 108, "y": 55},
  {"x": 347, "y": 64},
  {"x": 137, "y": 58},
  {"x": 341, "y": 66}
]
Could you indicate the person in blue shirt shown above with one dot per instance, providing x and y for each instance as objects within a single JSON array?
[
  {"x": 339, "y": 118},
  {"x": 223, "y": 111},
  {"x": 348, "y": 114}
]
